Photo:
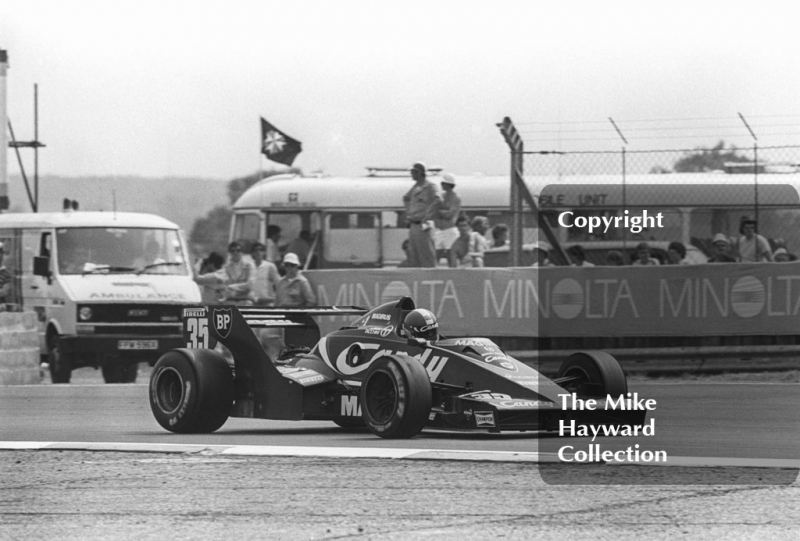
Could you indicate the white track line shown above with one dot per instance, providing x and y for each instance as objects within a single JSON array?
[{"x": 357, "y": 452}]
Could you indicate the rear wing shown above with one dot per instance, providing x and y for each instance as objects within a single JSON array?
[
  {"x": 204, "y": 326},
  {"x": 294, "y": 317}
]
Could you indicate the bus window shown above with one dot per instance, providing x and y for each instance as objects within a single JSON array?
[
  {"x": 352, "y": 238},
  {"x": 392, "y": 218},
  {"x": 247, "y": 227},
  {"x": 291, "y": 223}
]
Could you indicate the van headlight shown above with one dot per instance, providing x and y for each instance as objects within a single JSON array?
[{"x": 85, "y": 313}]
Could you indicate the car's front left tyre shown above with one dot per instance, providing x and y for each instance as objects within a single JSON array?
[
  {"x": 396, "y": 397},
  {"x": 191, "y": 391}
]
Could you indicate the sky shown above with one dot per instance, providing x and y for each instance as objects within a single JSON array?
[{"x": 156, "y": 88}]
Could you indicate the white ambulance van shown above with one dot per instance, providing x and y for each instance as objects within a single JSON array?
[{"x": 107, "y": 287}]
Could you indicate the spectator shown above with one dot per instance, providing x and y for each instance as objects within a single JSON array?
[
  {"x": 301, "y": 246},
  {"x": 722, "y": 250},
  {"x": 266, "y": 278},
  {"x": 273, "y": 251},
  {"x": 404, "y": 263},
  {"x": 421, "y": 203},
  {"x": 264, "y": 287},
  {"x": 499, "y": 236},
  {"x": 615, "y": 259},
  {"x": 480, "y": 224},
  {"x": 211, "y": 294},
  {"x": 751, "y": 246},
  {"x": 578, "y": 256},
  {"x": 643, "y": 257},
  {"x": 294, "y": 288},
  {"x": 467, "y": 250},
  {"x": 445, "y": 222},
  {"x": 237, "y": 276},
  {"x": 676, "y": 254},
  {"x": 5, "y": 280},
  {"x": 292, "y": 291},
  {"x": 542, "y": 251},
  {"x": 782, "y": 256}
]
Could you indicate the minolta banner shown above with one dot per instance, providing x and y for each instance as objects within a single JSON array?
[{"x": 689, "y": 300}]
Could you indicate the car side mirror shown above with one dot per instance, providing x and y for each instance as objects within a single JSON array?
[{"x": 41, "y": 266}]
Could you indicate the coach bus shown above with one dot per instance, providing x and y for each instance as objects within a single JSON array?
[{"x": 359, "y": 222}]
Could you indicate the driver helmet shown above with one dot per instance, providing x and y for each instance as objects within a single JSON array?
[{"x": 421, "y": 323}]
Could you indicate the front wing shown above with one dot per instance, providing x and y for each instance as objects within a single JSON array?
[{"x": 497, "y": 414}]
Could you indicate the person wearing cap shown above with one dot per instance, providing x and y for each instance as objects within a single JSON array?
[
  {"x": 421, "y": 203},
  {"x": 782, "y": 256},
  {"x": 445, "y": 222},
  {"x": 5, "y": 280},
  {"x": 237, "y": 276},
  {"x": 467, "y": 250},
  {"x": 751, "y": 246},
  {"x": 722, "y": 250},
  {"x": 294, "y": 289},
  {"x": 542, "y": 251}
]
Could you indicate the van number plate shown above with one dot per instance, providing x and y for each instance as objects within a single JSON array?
[{"x": 138, "y": 344}]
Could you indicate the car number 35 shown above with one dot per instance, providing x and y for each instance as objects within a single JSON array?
[{"x": 197, "y": 329}]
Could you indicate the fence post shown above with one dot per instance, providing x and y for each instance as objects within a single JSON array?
[
  {"x": 519, "y": 191},
  {"x": 516, "y": 146}
]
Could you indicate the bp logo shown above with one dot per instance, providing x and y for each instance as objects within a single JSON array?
[{"x": 222, "y": 321}]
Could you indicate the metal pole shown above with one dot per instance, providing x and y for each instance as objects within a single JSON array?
[
  {"x": 516, "y": 213},
  {"x": 624, "y": 205},
  {"x": 755, "y": 180},
  {"x": 36, "y": 148}
]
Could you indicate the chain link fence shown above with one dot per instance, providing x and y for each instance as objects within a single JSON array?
[{"x": 700, "y": 192}]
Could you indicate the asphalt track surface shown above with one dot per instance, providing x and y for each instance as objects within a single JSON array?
[
  {"x": 757, "y": 421},
  {"x": 209, "y": 487}
]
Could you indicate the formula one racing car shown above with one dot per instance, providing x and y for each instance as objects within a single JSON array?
[{"x": 389, "y": 371}]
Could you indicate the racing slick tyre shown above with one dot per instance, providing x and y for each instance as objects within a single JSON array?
[
  {"x": 120, "y": 373},
  {"x": 191, "y": 390},
  {"x": 59, "y": 363},
  {"x": 396, "y": 397},
  {"x": 595, "y": 373}
]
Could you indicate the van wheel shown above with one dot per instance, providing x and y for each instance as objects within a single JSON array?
[
  {"x": 120, "y": 373},
  {"x": 60, "y": 364}
]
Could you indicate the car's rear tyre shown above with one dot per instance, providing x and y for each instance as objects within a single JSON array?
[
  {"x": 396, "y": 397},
  {"x": 120, "y": 373},
  {"x": 595, "y": 373},
  {"x": 191, "y": 391}
]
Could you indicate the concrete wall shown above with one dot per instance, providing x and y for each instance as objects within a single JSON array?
[{"x": 19, "y": 348}]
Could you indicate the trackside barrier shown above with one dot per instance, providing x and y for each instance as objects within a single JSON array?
[
  {"x": 19, "y": 348},
  {"x": 680, "y": 359}
]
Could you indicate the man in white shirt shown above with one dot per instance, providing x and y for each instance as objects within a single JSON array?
[{"x": 266, "y": 276}]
